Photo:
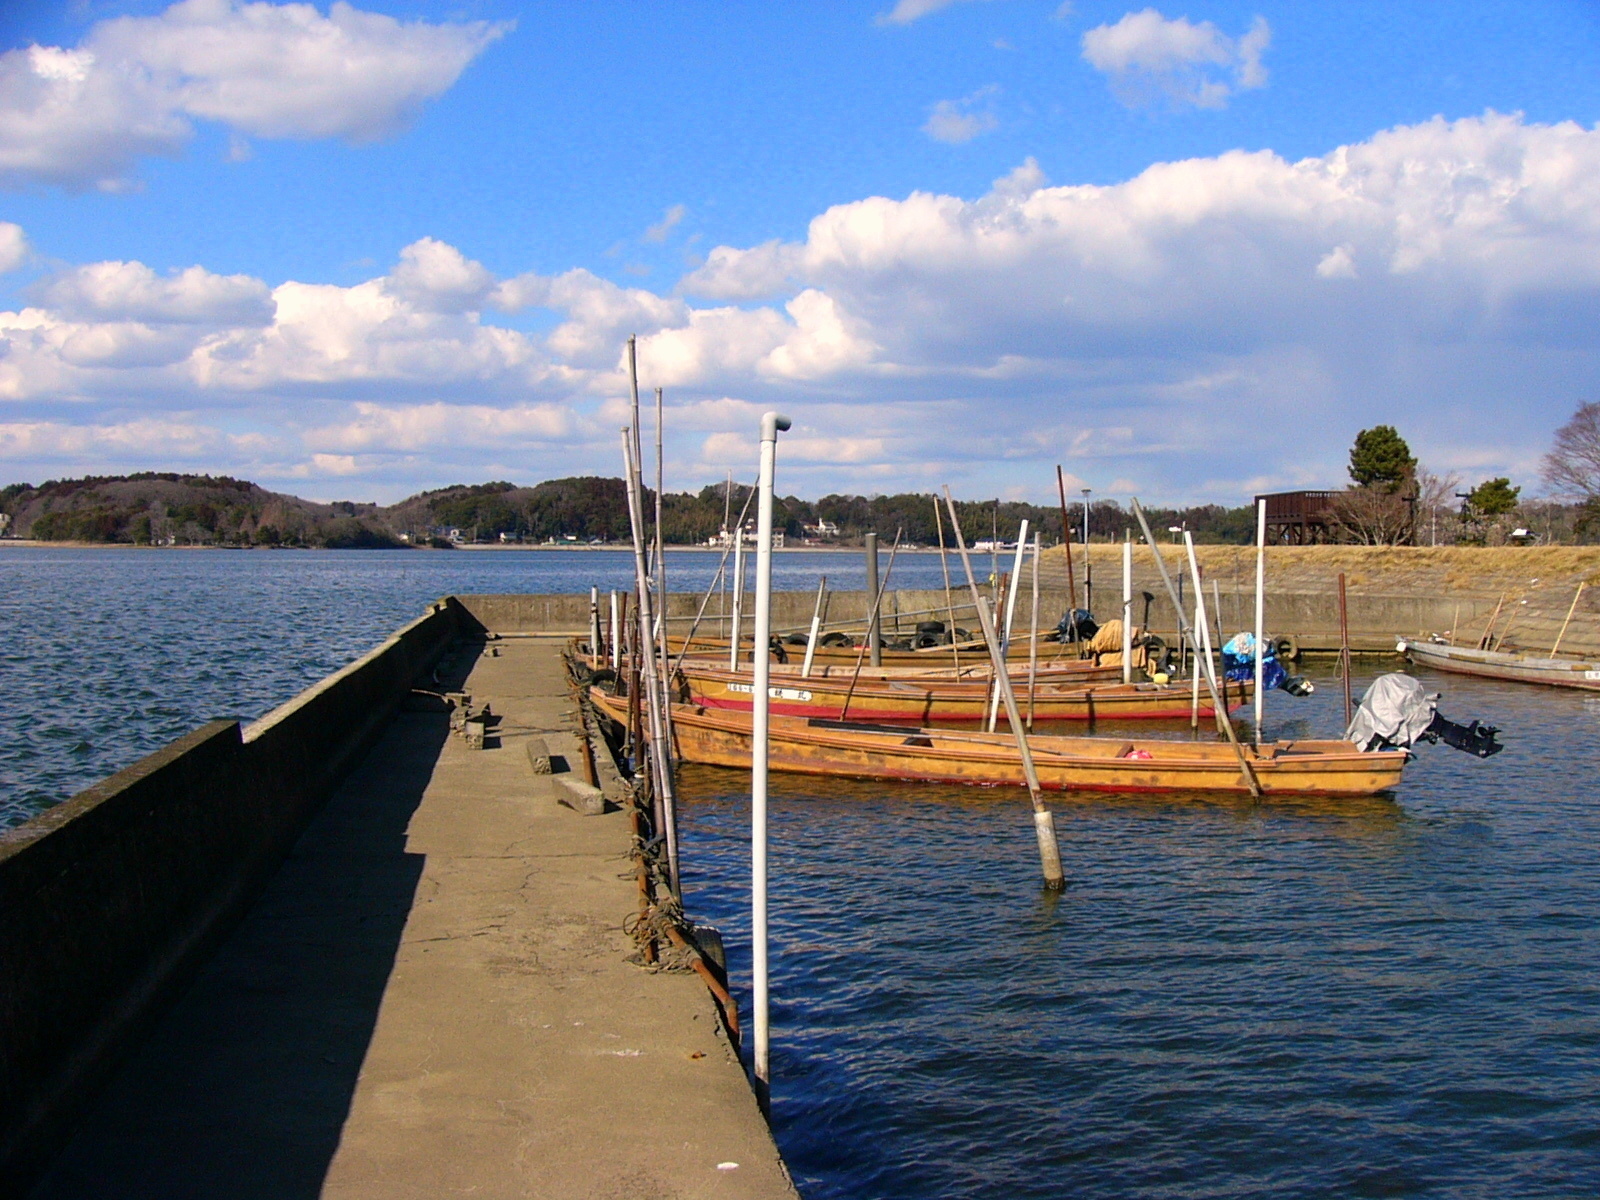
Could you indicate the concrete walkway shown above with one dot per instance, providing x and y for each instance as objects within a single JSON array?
[{"x": 432, "y": 1000}]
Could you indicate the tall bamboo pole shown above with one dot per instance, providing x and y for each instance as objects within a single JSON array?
[
  {"x": 1564, "y": 624},
  {"x": 1044, "y": 826},
  {"x": 1066, "y": 539},
  {"x": 1013, "y": 584},
  {"x": 944, "y": 566},
  {"x": 660, "y": 647},
  {"x": 644, "y": 650},
  {"x": 1223, "y": 722},
  {"x": 738, "y": 597},
  {"x": 771, "y": 424},
  {"x": 1344, "y": 649}
]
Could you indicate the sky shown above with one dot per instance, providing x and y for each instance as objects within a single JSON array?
[{"x": 1187, "y": 252}]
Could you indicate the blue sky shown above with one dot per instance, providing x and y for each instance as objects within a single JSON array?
[{"x": 365, "y": 250}]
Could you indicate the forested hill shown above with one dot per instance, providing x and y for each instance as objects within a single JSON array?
[{"x": 172, "y": 509}]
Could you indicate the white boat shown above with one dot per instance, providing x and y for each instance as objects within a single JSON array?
[{"x": 1499, "y": 664}]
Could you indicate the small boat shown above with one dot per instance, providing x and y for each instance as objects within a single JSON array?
[
  {"x": 1083, "y": 670},
  {"x": 866, "y": 751},
  {"x": 919, "y": 699},
  {"x": 964, "y": 653},
  {"x": 1501, "y": 664}
]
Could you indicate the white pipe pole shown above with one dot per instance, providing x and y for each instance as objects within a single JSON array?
[
  {"x": 616, "y": 635},
  {"x": 1203, "y": 643},
  {"x": 738, "y": 597},
  {"x": 771, "y": 424},
  {"x": 1261, "y": 611},
  {"x": 816, "y": 628},
  {"x": 1011, "y": 613},
  {"x": 1194, "y": 679},
  {"x": 1127, "y": 608}
]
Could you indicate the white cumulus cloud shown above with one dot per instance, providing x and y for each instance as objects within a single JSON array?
[
  {"x": 113, "y": 291},
  {"x": 82, "y": 117},
  {"x": 1149, "y": 57}
]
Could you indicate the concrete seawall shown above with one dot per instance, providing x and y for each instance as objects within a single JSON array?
[
  {"x": 113, "y": 897},
  {"x": 1311, "y": 618}
]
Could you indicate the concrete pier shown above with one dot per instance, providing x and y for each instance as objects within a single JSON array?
[{"x": 432, "y": 998}]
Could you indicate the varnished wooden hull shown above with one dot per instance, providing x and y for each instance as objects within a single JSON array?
[
  {"x": 1081, "y": 670},
  {"x": 968, "y": 655},
  {"x": 1518, "y": 668},
  {"x": 921, "y": 700},
  {"x": 1322, "y": 768}
]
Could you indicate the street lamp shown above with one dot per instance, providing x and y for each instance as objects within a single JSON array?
[{"x": 1086, "y": 516}]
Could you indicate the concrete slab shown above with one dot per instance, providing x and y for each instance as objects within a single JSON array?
[{"x": 432, "y": 999}]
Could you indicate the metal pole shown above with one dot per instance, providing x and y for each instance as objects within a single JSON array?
[
  {"x": 738, "y": 596},
  {"x": 771, "y": 424},
  {"x": 594, "y": 623},
  {"x": 1127, "y": 608},
  {"x": 1194, "y": 682},
  {"x": 949, "y": 601},
  {"x": 1261, "y": 614},
  {"x": 661, "y": 581},
  {"x": 874, "y": 651},
  {"x": 1044, "y": 826},
  {"x": 816, "y": 627}
]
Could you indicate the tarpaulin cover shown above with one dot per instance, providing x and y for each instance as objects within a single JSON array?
[
  {"x": 1239, "y": 661},
  {"x": 1394, "y": 712}
]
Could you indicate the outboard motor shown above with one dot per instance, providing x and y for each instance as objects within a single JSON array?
[
  {"x": 1239, "y": 665},
  {"x": 1077, "y": 626},
  {"x": 1396, "y": 713}
]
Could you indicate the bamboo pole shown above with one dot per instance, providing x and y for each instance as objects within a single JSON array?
[
  {"x": 874, "y": 615},
  {"x": 616, "y": 634},
  {"x": 1216, "y": 618},
  {"x": 1044, "y": 827},
  {"x": 1261, "y": 614},
  {"x": 738, "y": 597},
  {"x": 1483, "y": 642},
  {"x": 1013, "y": 585},
  {"x": 1455, "y": 623},
  {"x": 1066, "y": 538},
  {"x": 861, "y": 652},
  {"x": 1194, "y": 682},
  {"x": 645, "y": 653},
  {"x": 1564, "y": 624},
  {"x": 1223, "y": 721},
  {"x": 1344, "y": 649},
  {"x": 771, "y": 424},
  {"x": 944, "y": 566},
  {"x": 816, "y": 624},
  {"x": 1033, "y": 636},
  {"x": 660, "y": 647}
]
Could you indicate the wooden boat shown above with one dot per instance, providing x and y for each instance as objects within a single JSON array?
[
  {"x": 1499, "y": 664},
  {"x": 866, "y": 751},
  {"x": 1083, "y": 670},
  {"x": 969, "y": 653},
  {"x": 917, "y": 700}
]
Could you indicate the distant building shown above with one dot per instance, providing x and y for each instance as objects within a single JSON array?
[
  {"x": 724, "y": 538},
  {"x": 1298, "y": 518}
]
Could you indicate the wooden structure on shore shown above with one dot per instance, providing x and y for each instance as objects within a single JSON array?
[{"x": 1298, "y": 518}]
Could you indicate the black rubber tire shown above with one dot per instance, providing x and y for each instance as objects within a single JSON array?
[
  {"x": 927, "y": 641},
  {"x": 836, "y": 639},
  {"x": 1287, "y": 649},
  {"x": 930, "y": 626},
  {"x": 795, "y": 639}
]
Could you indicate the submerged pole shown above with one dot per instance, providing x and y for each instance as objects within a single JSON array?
[
  {"x": 771, "y": 424},
  {"x": 1044, "y": 826},
  {"x": 816, "y": 627},
  {"x": 1261, "y": 613}
]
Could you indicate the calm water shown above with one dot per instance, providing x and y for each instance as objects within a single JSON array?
[
  {"x": 1375, "y": 998},
  {"x": 110, "y": 654}
]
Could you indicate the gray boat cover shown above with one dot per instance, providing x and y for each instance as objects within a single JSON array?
[{"x": 1393, "y": 713}]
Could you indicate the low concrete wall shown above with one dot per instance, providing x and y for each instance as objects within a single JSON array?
[
  {"x": 110, "y": 900},
  {"x": 1312, "y": 618}
]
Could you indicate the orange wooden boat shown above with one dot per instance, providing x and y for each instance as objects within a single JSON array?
[
  {"x": 862, "y": 750},
  {"x": 920, "y": 699},
  {"x": 969, "y": 653},
  {"x": 1083, "y": 670}
]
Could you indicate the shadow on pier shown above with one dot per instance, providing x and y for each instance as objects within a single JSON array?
[{"x": 243, "y": 1087}]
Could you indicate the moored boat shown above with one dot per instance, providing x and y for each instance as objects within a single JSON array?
[
  {"x": 1500, "y": 664},
  {"x": 919, "y": 699},
  {"x": 862, "y": 750}
]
